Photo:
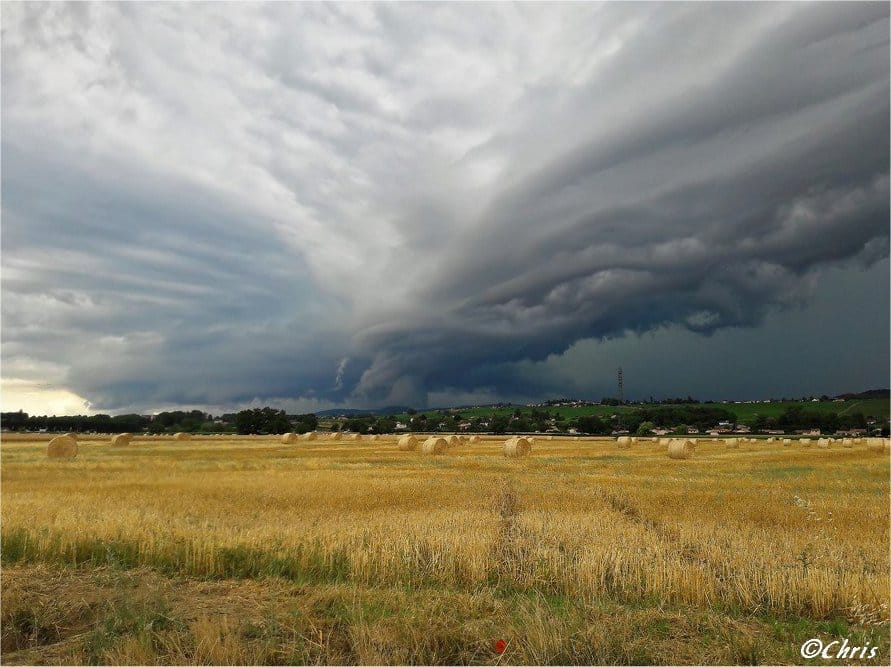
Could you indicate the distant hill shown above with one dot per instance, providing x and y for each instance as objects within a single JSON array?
[
  {"x": 352, "y": 412},
  {"x": 872, "y": 393},
  {"x": 743, "y": 409}
]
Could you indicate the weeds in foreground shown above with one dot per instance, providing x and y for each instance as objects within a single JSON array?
[{"x": 140, "y": 617}]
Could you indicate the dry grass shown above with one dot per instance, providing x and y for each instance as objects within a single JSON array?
[
  {"x": 107, "y": 616},
  {"x": 760, "y": 535}
]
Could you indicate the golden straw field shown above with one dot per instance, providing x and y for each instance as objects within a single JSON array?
[{"x": 249, "y": 551}]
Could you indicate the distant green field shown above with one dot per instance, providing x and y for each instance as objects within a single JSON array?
[
  {"x": 871, "y": 407},
  {"x": 746, "y": 413},
  {"x": 569, "y": 412}
]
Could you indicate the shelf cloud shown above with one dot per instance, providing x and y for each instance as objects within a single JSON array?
[{"x": 372, "y": 204}]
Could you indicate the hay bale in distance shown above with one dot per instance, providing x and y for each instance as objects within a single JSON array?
[
  {"x": 434, "y": 445},
  {"x": 288, "y": 438},
  {"x": 474, "y": 439},
  {"x": 847, "y": 442},
  {"x": 823, "y": 443},
  {"x": 407, "y": 443},
  {"x": 732, "y": 443},
  {"x": 309, "y": 435},
  {"x": 517, "y": 447},
  {"x": 681, "y": 449},
  {"x": 806, "y": 442},
  {"x": 62, "y": 447},
  {"x": 787, "y": 442},
  {"x": 121, "y": 439},
  {"x": 623, "y": 441},
  {"x": 875, "y": 444},
  {"x": 182, "y": 436}
]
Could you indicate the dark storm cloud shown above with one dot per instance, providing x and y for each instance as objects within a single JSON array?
[
  {"x": 219, "y": 205},
  {"x": 775, "y": 170}
]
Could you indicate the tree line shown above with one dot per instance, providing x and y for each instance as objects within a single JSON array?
[
  {"x": 251, "y": 421},
  {"x": 640, "y": 420}
]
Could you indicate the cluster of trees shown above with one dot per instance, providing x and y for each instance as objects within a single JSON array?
[
  {"x": 370, "y": 424},
  {"x": 179, "y": 420},
  {"x": 258, "y": 420},
  {"x": 702, "y": 417},
  {"x": 165, "y": 422},
  {"x": 264, "y": 421},
  {"x": 798, "y": 417},
  {"x": 519, "y": 421},
  {"x": 643, "y": 420}
]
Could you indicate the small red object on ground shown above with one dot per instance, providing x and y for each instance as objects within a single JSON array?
[{"x": 500, "y": 645}]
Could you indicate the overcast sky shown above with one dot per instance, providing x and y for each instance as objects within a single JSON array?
[{"x": 311, "y": 205}]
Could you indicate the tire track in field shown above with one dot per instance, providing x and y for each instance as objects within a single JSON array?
[{"x": 690, "y": 552}]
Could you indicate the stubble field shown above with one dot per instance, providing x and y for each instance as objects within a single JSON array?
[{"x": 250, "y": 551}]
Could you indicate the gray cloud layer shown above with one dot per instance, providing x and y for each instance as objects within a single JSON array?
[{"x": 211, "y": 204}]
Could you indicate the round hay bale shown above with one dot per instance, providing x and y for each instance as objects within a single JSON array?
[
  {"x": 434, "y": 445},
  {"x": 847, "y": 442},
  {"x": 453, "y": 440},
  {"x": 62, "y": 447},
  {"x": 787, "y": 442},
  {"x": 517, "y": 447},
  {"x": 310, "y": 435},
  {"x": 352, "y": 437},
  {"x": 732, "y": 443},
  {"x": 806, "y": 442},
  {"x": 407, "y": 443},
  {"x": 623, "y": 441},
  {"x": 474, "y": 439},
  {"x": 288, "y": 438},
  {"x": 681, "y": 449},
  {"x": 823, "y": 443},
  {"x": 182, "y": 436},
  {"x": 121, "y": 439}
]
